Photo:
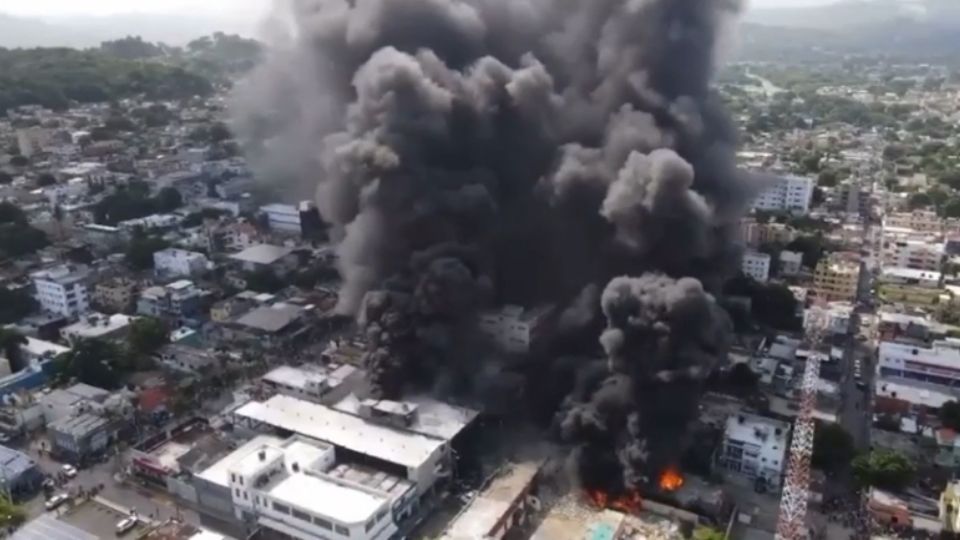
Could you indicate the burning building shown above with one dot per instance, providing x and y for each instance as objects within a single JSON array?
[{"x": 474, "y": 153}]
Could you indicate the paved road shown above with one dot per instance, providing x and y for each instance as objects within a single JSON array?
[{"x": 148, "y": 502}]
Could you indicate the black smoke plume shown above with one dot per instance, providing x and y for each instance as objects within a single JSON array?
[{"x": 472, "y": 153}]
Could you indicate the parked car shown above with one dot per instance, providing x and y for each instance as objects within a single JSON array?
[
  {"x": 54, "y": 502},
  {"x": 69, "y": 471},
  {"x": 126, "y": 524}
]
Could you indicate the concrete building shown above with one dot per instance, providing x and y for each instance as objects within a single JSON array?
[
  {"x": 282, "y": 217},
  {"x": 791, "y": 263},
  {"x": 908, "y": 276},
  {"x": 325, "y": 385},
  {"x": 33, "y": 141},
  {"x": 80, "y": 437},
  {"x": 756, "y": 447},
  {"x": 836, "y": 279},
  {"x": 277, "y": 259},
  {"x": 116, "y": 294},
  {"x": 514, "y": 328},
  {"x": 913, "y": 254},
  {"x": 278, "y": 325},
  {"x": 299, "y": 488},
  {"x": 388, "y": 436},
  {"x": 754, "y": 234},
  {"x": 187, "y": 360},
  {"x": 178, "y": 300},
  {"x": 923, "y": 376},
  {"x": 98, "y": 326},
  {"x": 501, "y": 506},
  {"x": 20, "y": 473},
  {"x": 838, "y": 317},
  {"x": 66, "y": 402},
  {"x": 63, "y": 290},
  {"x": 923, "y": 221},
  {"x": 756, "y": 265},
  {"x": 174, "y": 262},
  {"x": 790, "y": 193}
]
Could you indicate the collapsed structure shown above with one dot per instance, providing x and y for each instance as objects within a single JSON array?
[{"x": 475, "y": 153}]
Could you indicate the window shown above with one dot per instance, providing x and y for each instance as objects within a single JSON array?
[
  {"x": 282, "y": 508},
  {"x": 233, "y": 477},
  {"x": 342, "y": 530},
  {"x": 322, "y": 523},
  {"x": 241, "y": 478},
  {"x": 244, "y": 495},
  {"x": 369, "y": 525},
  {"x": 236, "y": 491},
  {"x": 300, "y": 515}
]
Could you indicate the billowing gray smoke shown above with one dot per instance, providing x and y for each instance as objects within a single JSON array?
[{"x": 472, "y": 153}]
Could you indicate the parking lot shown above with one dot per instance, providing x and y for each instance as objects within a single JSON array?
[{"x": 97, "y": 519}]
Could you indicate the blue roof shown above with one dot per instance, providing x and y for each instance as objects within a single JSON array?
[{"x": 14, "y": 463}]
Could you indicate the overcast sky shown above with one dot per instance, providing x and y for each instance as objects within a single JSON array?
[{"x": 233, "y": 7}]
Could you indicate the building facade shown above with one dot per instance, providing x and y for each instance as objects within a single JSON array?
[
  {"x": 836, "y": 280},
  {"x": 791, "y": 262},
  {"x": 63, "y": 290},
  {"x": 790, "y": 193},
  {"x": 117, "y": 294},
  {"x": 923, "y": 221},
  {"x": 174, "y": 262},
  {"x": 913, "y": 254},
  {"x": 756, "y": 265},
  {"x": 755, "y": 446}
]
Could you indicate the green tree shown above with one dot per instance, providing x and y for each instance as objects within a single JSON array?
[
  {"x": 5, "y": 178},
  {"x": 832, "y": 447},
  {"x": 168, "y": 200},
  {"x": 15, "y": 304},
  {"x": 952, "y": 208},
  {"x": 92, "y": 361},
  {"x": 11, "y": 342},
  {"x": 919, "y": 200},
  {"x": 139, "y": 254},
  {"x": 45, "y": 180},
  {"x": 949, "y": 415},
  {"x": 264, "y": 281},
  {"x": 828, "y": 178},
  {"x": 708, "y": 533},
  {"x": 147, "y": 335},
  {"x": 813, "y": 249},
  {"x": 19, "y": 161},
  {"x": 882, "y": 468}
]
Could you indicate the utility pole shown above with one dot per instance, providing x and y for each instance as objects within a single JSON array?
[{"x": 792, "y": 523}]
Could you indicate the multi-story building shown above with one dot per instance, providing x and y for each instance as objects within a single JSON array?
[
  {"x": 326, "y": 385},
  {"x": 97, "y": 326},
  {"x": 515, "y": 329},
  {"x": 33, "y": 140},
  {"x": 836, "y": 279},
  {"x": 791, "y": 262},
  {"x": 755, "y": 234},
  {"x": 937, "y": 365},
  {"x": 265, "y": 257},
  {"x": 756, "y": 447},
  {"x": 178, "y": 300},
  {"x": 282, "y": 217},
  {"x": 789, "y": 193},
  {"x": 231, "y": 237},
  {"x": 913, "y": 254},
  {"x": 63, "y": 290},
  {"x": 115, "y": 294},
  {"x": 66, "y": 402},
  {"x": 80, "y": 437},
  {"x": 174, "y": 262},
  {"x": 922, "y": 221},
  {"x": 756, "y": 265}
]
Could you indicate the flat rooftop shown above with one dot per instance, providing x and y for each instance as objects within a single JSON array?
[
  {"x": 493, "y": 503},
  {"x": 219, "y": 472},
  {"x": 262, "y": 254},
  {"x": 270, "y": 319},
  {"x": 434, "y": 418},
  {"x": 323, "y": 497},
  {"x": 343, "y": 429}
]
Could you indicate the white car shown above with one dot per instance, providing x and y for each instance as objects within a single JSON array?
[
  {"x": 69, "y": 470},
  {"x": 55, "y": 501},
  {"x": 126, "y": 524}
]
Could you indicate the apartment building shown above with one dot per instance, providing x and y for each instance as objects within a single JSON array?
[
  {"x": 755, "y": 446},
  {"x": 923, "y": 221},
  {"x": 116, "y": 294},
  {"x": 63, "y": 290},
  {"x": 913, "y": 254},
  {"x": 756, "y": 265},
  {"x": 174, "y": 262},
  {"x": 789, "y": 193},
  {"x": 836, "y": 279}
]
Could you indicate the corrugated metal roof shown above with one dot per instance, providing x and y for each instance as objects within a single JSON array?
[{"x": 47, "y": 527}]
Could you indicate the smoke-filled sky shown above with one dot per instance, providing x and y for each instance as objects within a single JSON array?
[{"x": 253, "y": 7}]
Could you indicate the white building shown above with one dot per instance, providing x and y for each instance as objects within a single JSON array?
[
  {"x": 514, "y": 328},
  {"x": 283, "y": 217},
  {"x": 789, "y": 193},
  {"x": 33, "y": 140},
  {"x": 791, "y": 262},
  {"x": 389, "y": 436},
  {"x": 913, "y": 254},
  {"x": 927, "y": 376},
  {"x": 908, "y": 276},
  {"x": 756, "y": 265},
  {"x": 838, "y": 316},
  {"x": 756, "y": 447},
  {"x": 64, "y": 290},
  {"x": 174, "y": 262},
  {"x": 97, "y": 326},
  {"x": 325, "y": 385}
]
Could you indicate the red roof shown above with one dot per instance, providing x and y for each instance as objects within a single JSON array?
[{"x": 152, "y": 399}]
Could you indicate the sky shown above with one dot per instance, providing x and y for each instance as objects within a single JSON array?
[{"x": 234, "y": 7}]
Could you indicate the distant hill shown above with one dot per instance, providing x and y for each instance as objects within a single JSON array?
[
  {"x": 918, "y": 29},
  {"x": 83, "y": 32}
]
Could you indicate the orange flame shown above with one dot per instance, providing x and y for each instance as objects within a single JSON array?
[
  {"x": 628, "y": 503},
  {"x": 671, "y": 480}
]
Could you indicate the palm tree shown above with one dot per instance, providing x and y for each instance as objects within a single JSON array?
[{"x": 10, "y": 343}]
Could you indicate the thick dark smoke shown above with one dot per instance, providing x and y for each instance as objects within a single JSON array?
[{"x": 472, "y": 153}]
